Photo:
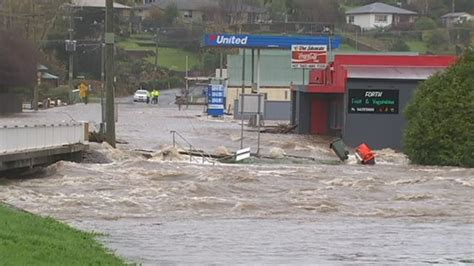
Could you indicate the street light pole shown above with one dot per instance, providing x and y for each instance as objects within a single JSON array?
[{"x": 109, "y": 69}]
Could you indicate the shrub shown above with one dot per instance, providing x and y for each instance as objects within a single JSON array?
[
  {"x": 441, "y": 118},
  {"x": 425, "y": 23},
  {"x": 436, "y": 38},
  {"x": 399, "y": 46}
]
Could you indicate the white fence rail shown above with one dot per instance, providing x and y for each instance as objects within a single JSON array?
[{"x": 24, "y": 138}]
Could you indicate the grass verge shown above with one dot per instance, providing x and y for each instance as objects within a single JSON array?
[{"x": 26, "y": 239}]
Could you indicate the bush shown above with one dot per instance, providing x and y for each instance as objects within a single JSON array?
[
  {"x": 425, "y": 23},
  {"x": 441, "y": 118},
  {"x": 436, "y": 39},
  {"x": 399, "y": 46}
]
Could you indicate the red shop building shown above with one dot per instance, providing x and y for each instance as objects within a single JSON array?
[{"x": 361, "y": 98}]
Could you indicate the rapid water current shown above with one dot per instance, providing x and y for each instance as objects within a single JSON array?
[{"x": 157, "y": 211}]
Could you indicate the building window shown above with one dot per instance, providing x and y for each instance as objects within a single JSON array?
[
  {"x": 381, "y": 18},
  {"x": 188, "y": 14},
  {"x": 351, "y": 20}
]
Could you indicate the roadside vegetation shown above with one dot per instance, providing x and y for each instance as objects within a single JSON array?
[
  {"x": 26, "y": 239},
  {"x": 441, "y": 118}
]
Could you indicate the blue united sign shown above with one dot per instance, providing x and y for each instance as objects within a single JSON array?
[{"x": 267, "y": 41}]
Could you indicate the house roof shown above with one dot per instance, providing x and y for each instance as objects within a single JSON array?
[
  {"x": 41, "y": 67},
  {"x": 456, "y": 15},
  {"x": 380, "y": 8},
  {"x": 49, "y": 76},
  {"x": 96, "y": 4},
  {"x": 232, "y": 6}
]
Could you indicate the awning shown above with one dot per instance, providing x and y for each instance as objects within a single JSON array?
[{"x": 388, "y": 72}]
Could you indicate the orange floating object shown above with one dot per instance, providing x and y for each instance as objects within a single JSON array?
[{"x": 365, "y": 154}]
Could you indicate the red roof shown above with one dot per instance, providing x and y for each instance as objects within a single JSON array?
[{"x": 379, "y": 66}]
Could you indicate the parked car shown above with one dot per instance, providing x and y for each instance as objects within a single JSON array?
[{"x": 141, "y": 96}]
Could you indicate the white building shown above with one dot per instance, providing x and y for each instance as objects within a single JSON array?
[
  {"x": 450, "y": 19},
  {"x": 379, "y": 15}
]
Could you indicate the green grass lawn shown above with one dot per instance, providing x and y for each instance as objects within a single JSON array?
[
  {"x": 171, "y": 58},
  {"x": 174, "y": 59},
  {"x": 417, "y": 46},
  {"x": 26, "y": 239},
  {"x": 347, "y": 48}
]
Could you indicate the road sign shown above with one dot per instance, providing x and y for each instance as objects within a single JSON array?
[
  {"x": 309, "y": 56},
  {"x": 242, "y": 154}
]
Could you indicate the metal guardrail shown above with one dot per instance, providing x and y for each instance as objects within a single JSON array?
[
  {"x": 206, "y": 157},
  {"x": 24, "y": 138}
]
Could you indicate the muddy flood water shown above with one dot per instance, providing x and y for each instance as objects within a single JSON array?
[{"x": 157, "y": 212}]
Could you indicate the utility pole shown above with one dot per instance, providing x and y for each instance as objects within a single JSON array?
[
  {"x": 102, "y": 85},
  {"x": 109, "y": 70},
  {"x": 453, "y": 8},
  {"x": 71, "y": 52}
]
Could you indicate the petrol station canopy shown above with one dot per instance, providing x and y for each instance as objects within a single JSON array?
[{"x": 251, "y": 41}]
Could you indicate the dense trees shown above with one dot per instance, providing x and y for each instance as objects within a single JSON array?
[
  {"x": 441, "y": 118},
  {"x": 18, "y": 64}
]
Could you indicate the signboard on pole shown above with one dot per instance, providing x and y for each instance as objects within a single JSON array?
[
  {"x": 251, "y": 104},
  {"x": 242, "y": 154},
  {"x": 216, "y": 100},
  {"x": 309, "y": 56}
]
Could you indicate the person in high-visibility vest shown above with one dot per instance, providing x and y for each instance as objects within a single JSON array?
[
  {"x": 155, "y": 94},
  {"x": 84, "y": 92}
]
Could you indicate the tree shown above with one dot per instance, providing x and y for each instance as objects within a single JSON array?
[
  {"x": 441, "y": 118},
  {"x": 18, "y": 64},
  {"x": 425, "y": 23},
  {"x": 171, "y": 14},
  {"x": 315, "y": 11}
]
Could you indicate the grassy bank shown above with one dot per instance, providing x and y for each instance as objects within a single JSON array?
[
  {"x": 171, "y": 58},
  {"x": 26, "y": 239}
]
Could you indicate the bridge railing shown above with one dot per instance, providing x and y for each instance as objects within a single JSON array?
[{"x": 24, "y": 138}]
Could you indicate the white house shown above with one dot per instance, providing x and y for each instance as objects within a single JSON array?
[
  {"x": 450, "y": 19},
  {"x": 379, "y": 15}
]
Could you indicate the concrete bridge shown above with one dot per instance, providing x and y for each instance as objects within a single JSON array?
[{"x": 23, "y": 147}]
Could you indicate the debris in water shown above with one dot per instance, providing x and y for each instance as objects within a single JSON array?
[{"x": 277, "y": 153}]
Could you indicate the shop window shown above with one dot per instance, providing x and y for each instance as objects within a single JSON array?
[{"x": 381, "y": 18}]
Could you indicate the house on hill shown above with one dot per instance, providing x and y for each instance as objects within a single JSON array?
[
  {"x": 122, "y": 10},
  {"x": 197, "y": 11},
  {"x": 189, "y": 11},
  {"x": 450, "y": 19},
  {"x": 379, "y": 15}
]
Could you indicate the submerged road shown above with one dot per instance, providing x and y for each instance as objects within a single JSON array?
[{"x": 160, "y": 212}]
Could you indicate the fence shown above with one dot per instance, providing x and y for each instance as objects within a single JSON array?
[{"x": 15, "y": 139}]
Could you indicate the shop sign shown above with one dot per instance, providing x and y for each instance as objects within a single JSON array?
[
  {"x": 373, "y": 101},
  {"x": 309, "y": 56},
  {"x": 225, "y": 40}
]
